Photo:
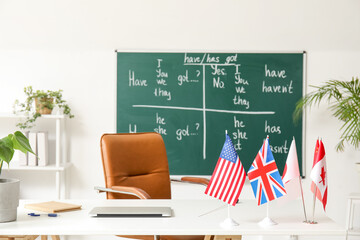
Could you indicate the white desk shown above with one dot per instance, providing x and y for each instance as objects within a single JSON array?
[{"x": 186, "y": 220}]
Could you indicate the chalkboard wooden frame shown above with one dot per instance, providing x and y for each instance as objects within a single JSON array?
[{"x": 301, "y": 151}]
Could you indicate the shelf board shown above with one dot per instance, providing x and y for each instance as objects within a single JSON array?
[
  {"x": 47, "y": 116},
  {"x": 354, "y": 232},
  {"x": 355, "y": 196},
  {"x": 51, "y": 167}
]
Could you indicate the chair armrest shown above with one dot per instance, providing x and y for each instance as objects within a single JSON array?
[
  {"x": 125, "y": 190},
  {"x": 196, "y": 180}
]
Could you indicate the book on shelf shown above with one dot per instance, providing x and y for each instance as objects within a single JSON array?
[
  {"x": 23, "y": 157},
  {"x": 42, "y": 148},
  {"x": 32, "y": 159}
]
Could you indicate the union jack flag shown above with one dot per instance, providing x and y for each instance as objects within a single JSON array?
[
  {"x": 229, "y": 175},
  {"x": 264, "y": 176}
]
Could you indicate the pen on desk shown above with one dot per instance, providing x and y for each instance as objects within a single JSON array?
[
  {"x": 38, "y": 214},
  {"x": 218, "y": 208}
]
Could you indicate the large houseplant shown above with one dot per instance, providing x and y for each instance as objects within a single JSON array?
[
  {"x": 9, "y": 188},
  {"x": 344, "y": 102},
  {"x": 44, "y": 101}
]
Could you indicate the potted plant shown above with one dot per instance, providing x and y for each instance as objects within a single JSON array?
[
  {"x": 9, "y": 188},
  {"x": 45, "y": 101},
  {"x": 344, "y": 102}
]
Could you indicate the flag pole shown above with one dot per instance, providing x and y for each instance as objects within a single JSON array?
[
  {"x": 267, "y": 221},
  {"x": 228, "y": 208},
  {"x": 313, "y": 187},
  {"x": 302, "y": 196},
  {"x": 228, "y": 222},
  {"x": 313, "y": 213}
]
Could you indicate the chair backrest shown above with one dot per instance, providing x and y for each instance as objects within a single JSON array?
[{"x": 136, "y": 160}]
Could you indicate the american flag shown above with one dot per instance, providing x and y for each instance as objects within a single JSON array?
[
  {"x": 228, "y": 177},
  {"x": 264, "y": 176}
]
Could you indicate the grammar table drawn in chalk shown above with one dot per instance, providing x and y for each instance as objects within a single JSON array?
[{"x": 192, "y": 98}]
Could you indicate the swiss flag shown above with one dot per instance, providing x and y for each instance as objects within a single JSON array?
[{"x": 318, "y": 175}]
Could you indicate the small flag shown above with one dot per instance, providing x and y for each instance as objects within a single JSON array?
[
  {"x": 291, "y": 174},
  {"x": 264, "y": 176},
  {"x": 316, "y": 149},
  {"x": 228, "y": 177},
  {"x": 319, "y": 184},
  {"x": 291, "y": 170}
]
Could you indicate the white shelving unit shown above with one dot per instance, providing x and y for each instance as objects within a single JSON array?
[
  {"x": 353, "y": 199},
  {"x": 61, "y": 163}
]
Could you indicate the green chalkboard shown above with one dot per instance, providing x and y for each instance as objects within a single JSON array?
[{"x": 192, "y": 98}]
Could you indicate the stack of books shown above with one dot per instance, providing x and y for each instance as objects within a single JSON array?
[{"x": 39, "y": 144}]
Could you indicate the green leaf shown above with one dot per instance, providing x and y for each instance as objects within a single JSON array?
[
  {"x": 8, "y": 142},
  {"x": 6, "y": 152},
  {"x": 21, "y": 142}
]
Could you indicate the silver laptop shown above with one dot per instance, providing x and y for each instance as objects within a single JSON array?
[{"x": 131, "y": 212}]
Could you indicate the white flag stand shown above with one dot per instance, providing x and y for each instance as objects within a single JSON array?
[
  {"x": 229, "y": 222},
  {"x": 267, "y": 221}
]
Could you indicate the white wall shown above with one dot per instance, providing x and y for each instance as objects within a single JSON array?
[{"x": 70, "y": 44}]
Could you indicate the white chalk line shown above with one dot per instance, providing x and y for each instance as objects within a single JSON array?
[{"x": 207, "y": 109}]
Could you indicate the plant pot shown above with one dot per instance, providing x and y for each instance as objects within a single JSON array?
[
  {"x": 9, "y": 199},
  {"x": 41, "y": 105}
]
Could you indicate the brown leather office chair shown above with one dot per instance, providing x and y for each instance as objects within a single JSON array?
[{"x": 136, "y": 166}]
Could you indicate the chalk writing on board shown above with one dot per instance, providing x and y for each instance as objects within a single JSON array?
[
  {"x": 218, "y": 69},
  {"x": 160, "y": 121},
  {"x": 136, "y": 82},
  {"x": 192, "y": 98},
  {"x": 286, "y": 87},
  {"x": 161, "y": 80}
]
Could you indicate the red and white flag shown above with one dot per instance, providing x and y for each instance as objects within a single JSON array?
[
  {"x": 291, "y": 174},
  {"x": 319, "y": 184},
  {"x": 229, "y": 176}
]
